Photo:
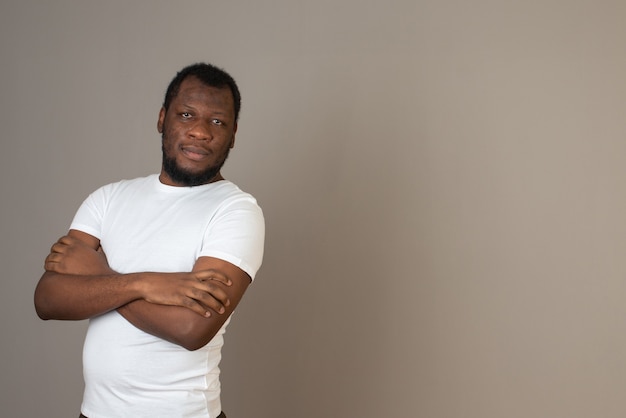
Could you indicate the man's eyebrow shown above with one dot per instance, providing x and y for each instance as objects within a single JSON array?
[
  {"x": 219, "y": 113},
  {"x": 214, "y": 112}
]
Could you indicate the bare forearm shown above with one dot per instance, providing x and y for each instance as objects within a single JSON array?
[
  {"x": 189, "y": 328},
  {"x": 175, "y": 324},
  {"x": 185, "y": 308},
  {"x": 76, "y": 297}
]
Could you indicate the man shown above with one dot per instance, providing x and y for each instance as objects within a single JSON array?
[{"x": 154, "y": 340}]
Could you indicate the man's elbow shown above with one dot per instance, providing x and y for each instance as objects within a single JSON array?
[
  {"x": 194, "y": 338},
  {"x": 50, "y": 306},
  {"x": 41, "y": 313},
  {"x": 42, "y": 298},
  {"x": 191, "y": 342},
  {"x": 41, "y": 308},
  {"x": 45, "y": 309},
  {"x": 193, "y": 345}
]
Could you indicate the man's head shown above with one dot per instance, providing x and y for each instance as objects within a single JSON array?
[
  {"x": 198, "y": 122},
  {"x": 208, "y": 74}
]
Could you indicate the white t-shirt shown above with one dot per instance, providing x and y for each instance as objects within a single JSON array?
[{"x": 144, "y": 225}]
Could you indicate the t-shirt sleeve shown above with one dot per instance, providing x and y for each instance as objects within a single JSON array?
[
  {"x": 236, "y": 234},
  {"x": 89, "y": 216}
]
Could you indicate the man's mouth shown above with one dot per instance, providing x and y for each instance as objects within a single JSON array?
[{"x": 194, "y": 153}]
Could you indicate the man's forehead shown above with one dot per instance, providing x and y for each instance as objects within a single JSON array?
[
  {"x": 193, "y": 89},
  {"x": 193, "y": 82}
]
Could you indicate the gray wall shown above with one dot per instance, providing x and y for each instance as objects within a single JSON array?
[{"x": 443, "y": 183}]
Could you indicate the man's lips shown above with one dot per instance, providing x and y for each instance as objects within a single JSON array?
[{"x": 194, "y": 153}]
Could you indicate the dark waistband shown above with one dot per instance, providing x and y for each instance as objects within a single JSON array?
[{"x": 221, "y": 415}]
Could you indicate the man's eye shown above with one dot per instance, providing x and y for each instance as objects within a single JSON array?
[
  {"x": 185, "y": 115},
  {"x": 217, "y": 122}
]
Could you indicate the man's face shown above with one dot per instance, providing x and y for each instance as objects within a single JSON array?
[{"x": 198, "y": 131}]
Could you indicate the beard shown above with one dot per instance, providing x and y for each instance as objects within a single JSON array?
[{"x": 186, "y": 178}]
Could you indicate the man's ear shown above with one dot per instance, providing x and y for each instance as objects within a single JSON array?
[
  {"x": 161, "y": 119},
  {"x": 232, "y": 142}
]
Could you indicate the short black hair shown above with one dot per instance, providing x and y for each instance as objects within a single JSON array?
[{"x": 208, "y": 74}]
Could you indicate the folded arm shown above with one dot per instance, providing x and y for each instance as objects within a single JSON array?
[
  {"x": 184, "y": 308},
  {"x": 182, "y": 326}
]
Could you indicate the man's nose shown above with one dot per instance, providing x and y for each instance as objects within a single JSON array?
[{"x": 201, "y": 130}]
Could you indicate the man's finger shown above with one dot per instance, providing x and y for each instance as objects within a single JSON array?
[
  {"x": 211, "y": 296},
  {"x": 205, "y": 275},
  {"x": 196, "y": 307},
  {"x": 66, "y": 239}
]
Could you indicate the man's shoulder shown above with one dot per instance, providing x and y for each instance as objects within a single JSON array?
[
  {"x": 110, "y": 190},
  {"x": 231, "y": 193}
]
